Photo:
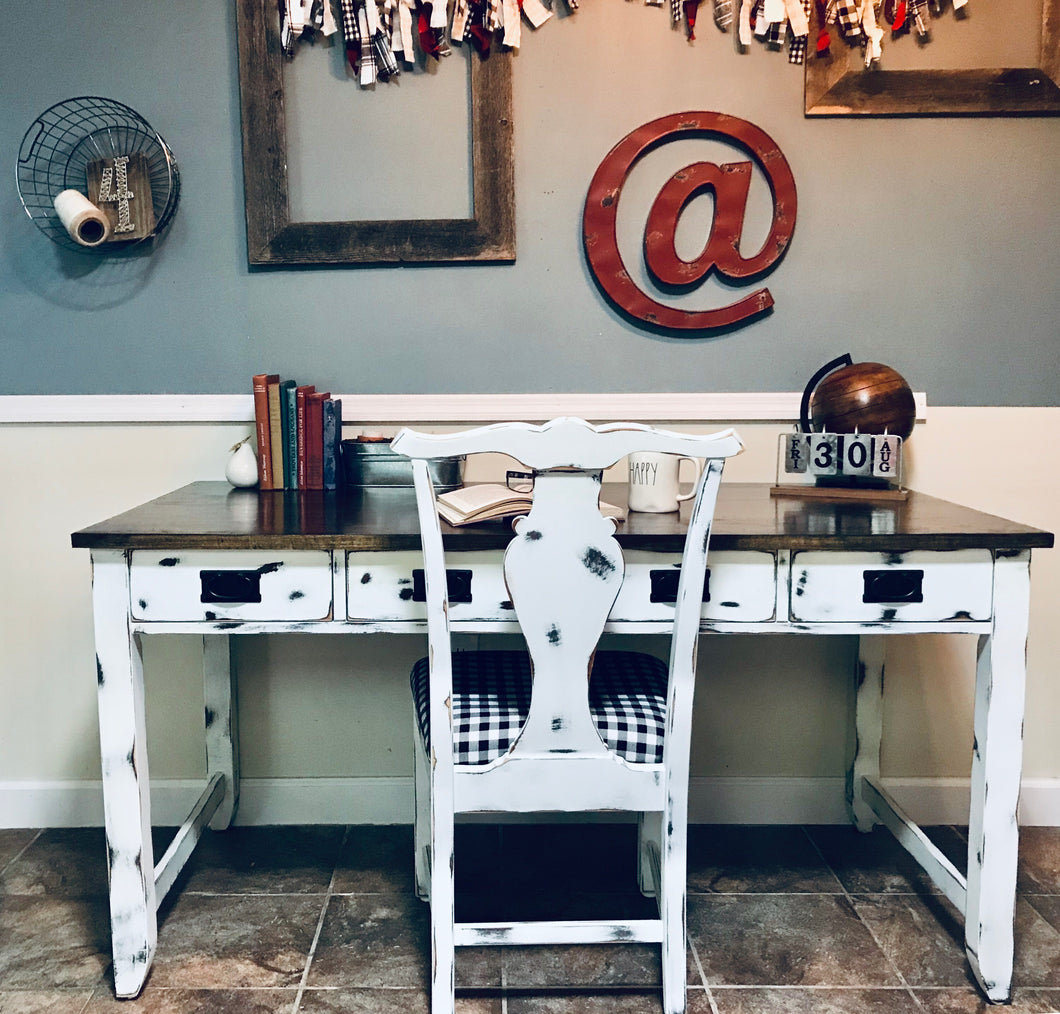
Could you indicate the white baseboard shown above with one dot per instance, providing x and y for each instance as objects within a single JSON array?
[
  {"x": 738, "y": 800},
  {"x": 389, "y": 801},
  {"x": 325, "y": 801}
]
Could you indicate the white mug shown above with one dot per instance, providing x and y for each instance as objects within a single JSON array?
[{"x": 653, "y": 485}]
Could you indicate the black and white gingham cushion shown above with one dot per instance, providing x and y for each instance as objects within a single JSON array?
[{"x": 491, "y": 699}]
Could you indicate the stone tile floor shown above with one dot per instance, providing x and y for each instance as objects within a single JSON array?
[{"x": 323, "y": 920}]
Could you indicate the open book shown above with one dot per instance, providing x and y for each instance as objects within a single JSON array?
[{"x": 488, "y": 500}]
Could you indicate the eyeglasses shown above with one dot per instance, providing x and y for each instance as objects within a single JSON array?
[{"x": 519, "y": 482}]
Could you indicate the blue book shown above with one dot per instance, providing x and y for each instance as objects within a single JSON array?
[
  {"x": 332, "y": 437},
  {"x": 289, "y": 411}
]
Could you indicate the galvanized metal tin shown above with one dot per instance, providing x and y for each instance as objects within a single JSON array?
[{"x": 373, "y": 463}]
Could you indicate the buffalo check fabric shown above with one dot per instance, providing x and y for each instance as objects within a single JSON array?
[
  {"x": 491, "y": 699},
  {"x": 847, "y": 14},
  {"x": 627, "y": 698},
  {"x": 799, "y": 40}
]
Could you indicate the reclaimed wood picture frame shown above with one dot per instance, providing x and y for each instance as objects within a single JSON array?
[
  {"x": 833, "y": 89},
  {"x": 273, "y": 239}
]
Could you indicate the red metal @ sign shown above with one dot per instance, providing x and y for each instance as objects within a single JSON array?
[{"x": 729, "y": 183}]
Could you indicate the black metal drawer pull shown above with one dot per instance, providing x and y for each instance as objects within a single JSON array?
[
  {"x": 664, "y": 585},
  {"x": 230, "y": 586},
  {"x": 458, "y": 583},
  {"x": 893, "y": 586}
]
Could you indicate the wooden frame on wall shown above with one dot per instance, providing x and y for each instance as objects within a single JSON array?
[
  {"x": 273, "y": 239},
  {"x": 833, "y": 89}
]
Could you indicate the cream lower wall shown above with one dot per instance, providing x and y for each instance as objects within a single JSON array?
[{"x": 315, "y": 707}]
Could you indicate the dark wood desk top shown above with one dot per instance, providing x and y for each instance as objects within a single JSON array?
[{"x": 212, "y": 515}]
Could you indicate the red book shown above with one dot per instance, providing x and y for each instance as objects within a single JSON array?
[
  {"x": 314, "y": 439},
  {"x": 300, "y": 396},
  {"x": 261, "y": 383}
]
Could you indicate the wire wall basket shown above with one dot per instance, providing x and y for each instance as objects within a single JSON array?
[{"x": 61, "y": 143}]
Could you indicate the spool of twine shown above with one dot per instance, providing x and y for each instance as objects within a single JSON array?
[{"x": 85, "y": 223}]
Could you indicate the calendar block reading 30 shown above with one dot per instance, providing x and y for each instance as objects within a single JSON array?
[{"x": 840, "y": 458}]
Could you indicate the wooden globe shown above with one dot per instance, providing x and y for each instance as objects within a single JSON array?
[{"x": 866, "y": 398}]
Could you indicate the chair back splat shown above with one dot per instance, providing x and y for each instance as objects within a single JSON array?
[{"x": 560, "y": 726}]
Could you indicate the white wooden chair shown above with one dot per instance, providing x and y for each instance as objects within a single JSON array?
[{"x": 561, "y": 727}]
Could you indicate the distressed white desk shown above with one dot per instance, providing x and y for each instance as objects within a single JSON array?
[{"x": 215, "y": 561}]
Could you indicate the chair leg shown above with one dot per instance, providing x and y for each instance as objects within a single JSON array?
[
  {"x": 421, "y": 828},
  {"x": 443, "y": 951},
  {"x": 673, "y": 866}
]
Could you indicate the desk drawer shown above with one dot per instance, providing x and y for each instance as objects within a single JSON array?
[
  {"x": 388, "y": 586},
  {"x": 740, "y": 586},
  {"x": 235, "y": 585},
  {"x": 900, "y": 587}
]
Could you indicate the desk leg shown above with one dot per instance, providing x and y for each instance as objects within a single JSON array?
[
  {"x": 868, "y": 727},
  {"x": 126, "y": 787},
  {"x": 222, "y": 723},
  {"x": 997, "y": 761}
]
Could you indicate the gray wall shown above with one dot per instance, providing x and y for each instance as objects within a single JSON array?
[{"x": 929, "y": 244}]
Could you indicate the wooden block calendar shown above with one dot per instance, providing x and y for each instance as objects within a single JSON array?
[{"x": 840, "y": 466}]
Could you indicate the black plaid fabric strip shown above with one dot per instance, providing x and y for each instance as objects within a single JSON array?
[
  {"x": 798, "y": 45},
  {"x": 491, "y": 699},
  {"x": 368, "y": 62},
  {"x": 848, "y": 16},
  {"x": 918, "y": 13},
  {"x": 774, "y": 35},
  {"x": 385, "y": 61},
  {"x": 349, "y": 21}
]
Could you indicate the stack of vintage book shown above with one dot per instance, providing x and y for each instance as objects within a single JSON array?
[{"x": 299, "y": 432}]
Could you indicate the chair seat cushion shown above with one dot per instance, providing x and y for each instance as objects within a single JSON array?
[{"x": 491, "y": 700}]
